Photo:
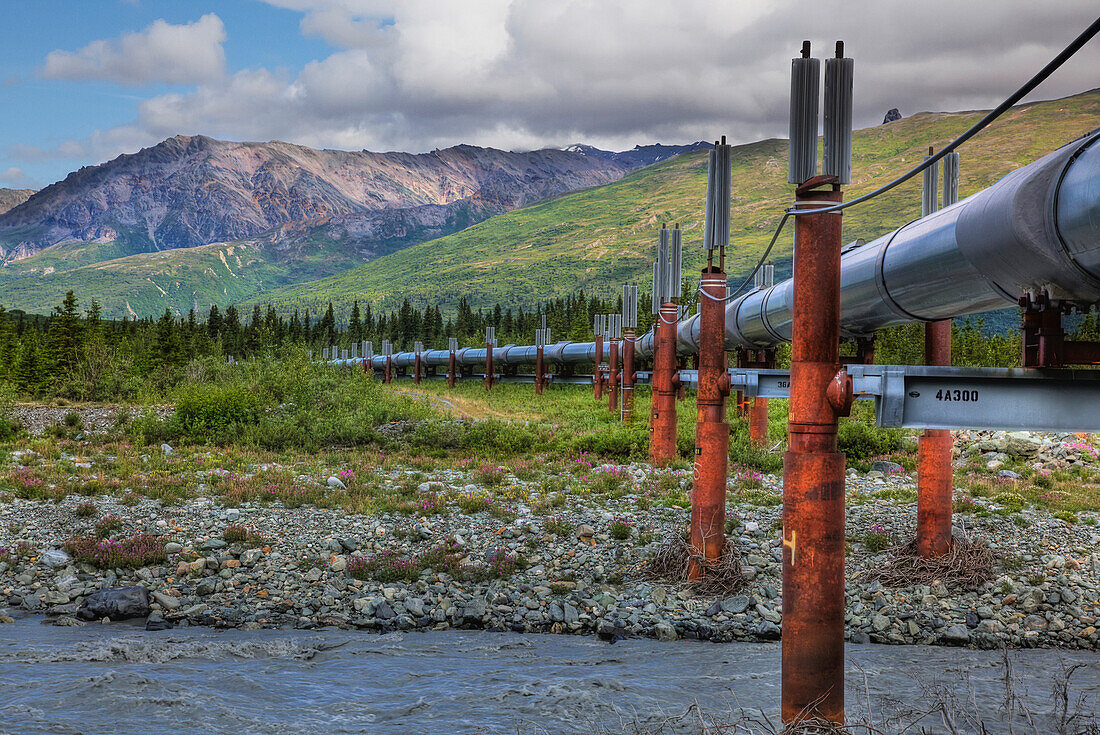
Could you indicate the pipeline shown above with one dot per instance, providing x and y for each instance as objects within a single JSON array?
[{"x": 1037, "y": 230}]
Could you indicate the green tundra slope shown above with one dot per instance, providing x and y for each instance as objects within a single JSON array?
[{"x": 600, "y": 237}]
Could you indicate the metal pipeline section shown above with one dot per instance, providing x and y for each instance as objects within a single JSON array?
[{"x": 1037, "y": 229}]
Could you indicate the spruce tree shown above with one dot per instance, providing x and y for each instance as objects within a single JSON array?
[
  {"x": 355, "y": 326},
  {"x": 64, "y": 335},
  {"x": 29, "y": 375}
]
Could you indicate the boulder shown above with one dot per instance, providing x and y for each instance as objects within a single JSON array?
[{"x": 116, "y": 603}]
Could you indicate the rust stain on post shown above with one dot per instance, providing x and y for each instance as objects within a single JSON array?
[{"x": 813, "y": 472}]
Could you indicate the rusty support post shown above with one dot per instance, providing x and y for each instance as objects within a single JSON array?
[
  {"x": 389, "y": 369},
  {"x": 712, "y": 433},
  {"x": 628, "y": 375},
  {"x": 539, "y": 374},
  {"x": 758, "y": 413},
  {"x": 597, "y": 375},
  {"x": 934, "y": 475},
  {"x": 451, "y": 369},
  {"x": 488, "y": 365},
  {"x": 417, "y": 365},
  {"x": 613, "y": 376},
  {"x": 662, "y": 442},
  {"x": 813, "y": 472}
]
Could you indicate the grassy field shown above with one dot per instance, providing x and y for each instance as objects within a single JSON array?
[{"x": 268, "y": 430}]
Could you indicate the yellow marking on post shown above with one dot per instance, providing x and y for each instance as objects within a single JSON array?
[{"x": 792, "y": 544}]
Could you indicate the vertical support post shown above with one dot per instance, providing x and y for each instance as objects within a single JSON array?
[
  {"x": 538, "y": 371},
  {"x": 613, "y": 376},
  {"x": 488, "y": 365},
  {"x": 712, "y": 433},
  {"x": 740, "y": 403},
  {"x": 597, "y": 376},
  {"x": 934, "y": 474},
  {"x": 758, "y": 412},
  {"x": 490, "y": 343},
  {"x": 452, "y": 348},
  {"x": 389, "y": 369},
  {"x": 662, "y": 443},
  {"x": 813, "y": 471},
  {"x": 628, "y": 375},
  {"x": 417, "y": 363}
]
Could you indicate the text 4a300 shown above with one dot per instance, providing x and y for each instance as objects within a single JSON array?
[{"x": 956, "y": 395}]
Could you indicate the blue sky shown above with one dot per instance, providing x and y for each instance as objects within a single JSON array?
[
  {"x": 47, "y": 112},
  {"x": 82, "y": 81}
]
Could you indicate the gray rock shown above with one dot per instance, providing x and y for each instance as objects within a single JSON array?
[
  {"x": 880, "y": 623},
  {"x": 474, "y": 610},
  {"x": 665, "y": 632},
  {"x": 232, "y": 514},
  {"x": 166, "y": 601},
  {"x": 768, "y": 630},
  {"x": 214, "y": 543},
  {"x": 887, "y": 468},
  {"x": 173, "y": 548},
  {"x": 735, "y": 605},
  {"x": 116, "y": 603},
  {"x": 55, "y": 558},
  {"x": 415, "y": 606},
  {"x": 1009, "y": 474},
  {"x": 166, "y": 449},
  {"x": 206, "y": 586},
  {"x": 585, "y": 531},
  {"x": 384, "y": 612},
  {"x": 892, "y": 115},
  {"x": 956, "y": 635},
  {"x": 336, "y": 483},
  {"x": 571, "y": 614}
]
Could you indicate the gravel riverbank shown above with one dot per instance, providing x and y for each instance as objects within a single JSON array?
[{"x": 573, "y": 576}]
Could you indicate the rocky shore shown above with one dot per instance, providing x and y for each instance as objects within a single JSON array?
[{"x": 576, "y": 570}]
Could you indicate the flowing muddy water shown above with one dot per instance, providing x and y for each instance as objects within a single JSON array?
[{"x": 120, "y": 679}]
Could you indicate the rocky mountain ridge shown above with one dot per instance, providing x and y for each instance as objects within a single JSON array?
[
  {"x": 12, "y": 198},
  {"x": 194, "y": 190}
]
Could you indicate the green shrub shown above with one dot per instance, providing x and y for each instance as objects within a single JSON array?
[
  {"x": 85, "y": 510},
  {"x": 621, "y": 529},
  {"x": 204, "y": 411},
  {"x": 558, "y": 526},
  {"x": 861, "y": 441}
]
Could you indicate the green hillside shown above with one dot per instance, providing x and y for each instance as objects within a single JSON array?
[
  {"x": 593, "y": 239},
  {"x": 601, "y": 237}
]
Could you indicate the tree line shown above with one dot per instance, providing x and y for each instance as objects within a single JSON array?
[{"x": 74, "y": 353}]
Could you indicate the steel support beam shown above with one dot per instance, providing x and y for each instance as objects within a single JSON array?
[
  {"x": 628, "y": 375},
  {"x": 712, "y": 433},
  {"x": 813, "y": 472},
  {"x": 662, "y": 442},
  {"x": 488, "y": 365},
  {"x": 613, "y": 376},
  {"x": 597, "y": 375},
  {"x": 935, "y": 476},
  {"x": 540, "y": 375}
]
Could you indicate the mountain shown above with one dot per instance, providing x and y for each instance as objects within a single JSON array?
[
  {"x": 601, "y": 237},
  {"x": 11, "y": 198},
  {"x": 640, "y": 155},
  {"x": 194, "y": 221},
  {"x": 189, "y": 191}
]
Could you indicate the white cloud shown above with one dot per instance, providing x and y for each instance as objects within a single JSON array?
[
  {"x": 14, "y": 177},
  {"x": 416, "y": 74},
  {"x": 175, "y": 54}
]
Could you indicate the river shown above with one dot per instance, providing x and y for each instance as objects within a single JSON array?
[{"x": 120, "y": 679}]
